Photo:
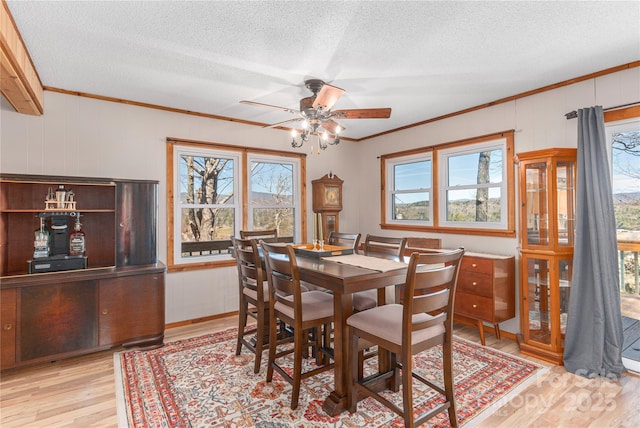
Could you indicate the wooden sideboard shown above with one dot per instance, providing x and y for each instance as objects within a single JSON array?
[
  {"x": 47, "y": 317},
  {"x": 486, "y": 290},
  {"x": 118, "y": 299}
]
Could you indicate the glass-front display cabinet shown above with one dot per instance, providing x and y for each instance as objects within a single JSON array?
[{"x": 547, "y": 230}]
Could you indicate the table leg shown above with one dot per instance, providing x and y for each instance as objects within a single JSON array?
[{"x": 336, "y": 402}]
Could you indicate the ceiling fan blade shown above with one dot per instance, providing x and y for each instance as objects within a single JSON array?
[
  {"x": 333, "y": 126},
  {"x": 275, "y": 125},
  {"x": 364, "y": 113},
  {"x": 327, "y": 96},
  {"x": 253, "y": 103}
]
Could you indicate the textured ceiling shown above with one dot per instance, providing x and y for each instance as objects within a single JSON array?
[{"x": 422, "y": 59}]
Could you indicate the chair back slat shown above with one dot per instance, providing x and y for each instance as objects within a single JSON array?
[
  {"x": 259, "y": 234},
  {"x": 249, "y": 276},
  {"x": 384, "y": 246},
  {"x": 430, "y": 290},
  {"x": 436, "y": 301},
  {"x": 423, "y": 243},
  {"x": 350, "y": 240}
]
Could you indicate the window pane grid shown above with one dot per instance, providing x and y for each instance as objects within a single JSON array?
[
  {"x": 410, "y": 191},
  {"x": 475, "y": 186},
  {"x": 272, "y": 189}
]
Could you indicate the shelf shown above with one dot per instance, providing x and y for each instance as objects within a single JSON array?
[{"x": 37, "y": 211}]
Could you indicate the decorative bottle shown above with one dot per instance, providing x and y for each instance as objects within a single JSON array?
[
  {"x": 41, "y": 241},
  {"x": 76, "y": 240}
]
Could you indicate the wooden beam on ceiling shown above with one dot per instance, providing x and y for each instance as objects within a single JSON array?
[{"x": 19, "y": 81}]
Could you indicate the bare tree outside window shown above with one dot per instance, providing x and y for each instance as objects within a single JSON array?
[
  {"x": 474, "y": 181},
  {"x": 625, "y": 167},
  {"x": 271, "y": 196},
  {"x": 206, "y": 186},
  {"x": 482, "y": 197},
  {"x": 626, "y": 179}
]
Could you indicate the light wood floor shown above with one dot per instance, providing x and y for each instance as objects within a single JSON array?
[{"x": 80, "y": 392}]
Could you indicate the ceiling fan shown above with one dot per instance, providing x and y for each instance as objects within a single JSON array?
[{"x": 315, "y": 111}]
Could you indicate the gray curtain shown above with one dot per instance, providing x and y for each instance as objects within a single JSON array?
[{"x": 594, "y": 336}]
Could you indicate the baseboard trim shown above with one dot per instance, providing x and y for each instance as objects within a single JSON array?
[{"x": 199, "y": 320}]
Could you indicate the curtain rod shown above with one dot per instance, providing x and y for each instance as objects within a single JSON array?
[{"x": 574, "y": 114}]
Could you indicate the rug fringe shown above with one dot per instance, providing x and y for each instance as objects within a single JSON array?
[{"x": 122, "y": 409}]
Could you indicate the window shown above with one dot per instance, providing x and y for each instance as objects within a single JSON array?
[
  {"x": 473, "y": 186},
  {"x": 461, "y": 187},
  {"x": 624, "y": 140},
  {"x": 272, "y": 195},
  {"x": 409, "y": 197},
  {"x": 623, "y": 135},
  {"x": 218, "y": 190}
]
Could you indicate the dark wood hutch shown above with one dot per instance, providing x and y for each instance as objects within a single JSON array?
[{"x": 118, "y": 299}]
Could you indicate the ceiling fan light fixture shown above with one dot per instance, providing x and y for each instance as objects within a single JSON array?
[{"x": 315, "y": 113}]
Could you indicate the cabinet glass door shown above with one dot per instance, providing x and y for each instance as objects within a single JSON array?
[
  {"x": 566, "y": 273},
  {"x": 538, "y": 298},
  {"x": 536, "y": 209},
  {"x": 565, "y": 202}
]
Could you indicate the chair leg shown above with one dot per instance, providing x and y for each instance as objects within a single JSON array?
[
  {"x": 273, "y": 342},
  {"x": 261, "y": 316},
  {"x": 447, "y": 362},
  {"x": 407, "y": 390},
  {"x": 297, "y": 366},
  {"x": 242, "y": 322}
]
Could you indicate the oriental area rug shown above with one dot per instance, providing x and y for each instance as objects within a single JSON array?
[{"x": 200, "y": 382}]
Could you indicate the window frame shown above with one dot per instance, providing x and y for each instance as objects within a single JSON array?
[
  {"x": 261, "y": 157},
  {"x": 505, "y": 229},
  {"x": 175, "y": 262},
  {"x": 390, "y": 195},
  {"x": 178, "y": 206},
  {"x": 619, "y": 120},
  {"x": 443, "y": 157}
]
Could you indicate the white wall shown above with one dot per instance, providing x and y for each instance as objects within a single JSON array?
[
  {"x": 539, "y": 122},
  {"x": 84, "y": 137}
]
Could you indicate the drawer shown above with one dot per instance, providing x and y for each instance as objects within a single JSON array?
[
  {"x": 473, "y": 306},
  {"x": 475, "y": 283},
  {"x": 476, "y": 264}
]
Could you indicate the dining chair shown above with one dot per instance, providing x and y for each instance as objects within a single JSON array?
[
  {"x": 383, "y": 247},
  {"x": 259, "y": 234},
  {"x": 306, "y": 312},
  {"x": 424, "y": 320},
  {"x": 254, "y": 292},
  {"x": 349, "y": 240}
]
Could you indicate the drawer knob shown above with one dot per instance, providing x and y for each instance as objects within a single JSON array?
[
  {"x": 474, "y": 283},
  {"x": 475, "y": 306},
  {"x": 474, "y": 265},
  {"x": 105, "y": 311},
  {"x": 7, "y": 327}
]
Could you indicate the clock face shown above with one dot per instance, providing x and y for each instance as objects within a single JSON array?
[{"x": 331, "y": 195}]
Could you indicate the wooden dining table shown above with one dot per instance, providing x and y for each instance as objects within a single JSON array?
[{"x": 344, "y": 280}]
